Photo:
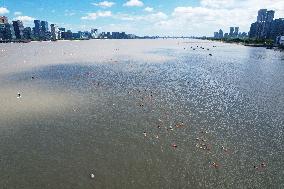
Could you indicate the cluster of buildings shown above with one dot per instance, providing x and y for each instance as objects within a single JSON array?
[
  {"x": 234, "y": 33},
  {"x": 42, "y": 31},
  {"x": 266, "y": 27},
  {"x": 116, "y": 35}
]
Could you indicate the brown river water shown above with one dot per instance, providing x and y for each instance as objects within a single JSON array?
[{"x": 140, "y": 114}]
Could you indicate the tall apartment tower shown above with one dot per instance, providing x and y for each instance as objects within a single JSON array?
[
  {"x": 262, "y": 13},
  {"x": 54, "y": 32},
  {"x": 44, "y": 26},
  {"x": 270, "y": 16},
  {"x": 236, "y": 31},
  {"x": 18, "y": 28},
  {"x": 37, "y": 28},
  {"x": 221, "y": 33},
  {"x": 232, "y": 29}
]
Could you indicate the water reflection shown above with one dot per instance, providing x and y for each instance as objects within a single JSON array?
[{"x": 195, "y": 120}]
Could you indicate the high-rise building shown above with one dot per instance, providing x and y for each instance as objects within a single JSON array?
[
  {"x": 45, "y": 34},
  {"x": 76, "y": 35},
  {"x": 2, "y": 30},
  {"x": 265, "y": 27},
  {"x": 270, "y": 16},
  {"x": 27, "y": 33},
  {"x": 94, "y": 33},
  {"x": 277, "y": 28},
  {"x": 255, "y": 29},
  {"x": 18, "y": 28},
  {"x": 37, "y": 29},
  {"x": 54, "y": 32},
  {"x": 61, "y": 33},
  {"x": 280, "y": 40},
  {"x": 108, "y": 35},
  {"x": 236, "y": 34},
  {"x": 262, "y": 13},
  {"x": 67, "y": 35},
  {"x": 9, "y": 33},
  {"x": 3, "y": 20},
  {"x": 221, "y": 33},
  {"x": 44, "y": 26},
  {"x": 232, "y": 29},
  {"x": 216, "y": 35}
]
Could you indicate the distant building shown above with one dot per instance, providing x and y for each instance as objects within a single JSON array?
[
  {"x": 243, "y": 35},
  {"x": 132, "y": 36},
  {"x": 221, "y": 34},
  {"x": 262, "y": 14},
  {"x": 85, "y": 35},
  {"x": 60, "y": 32},
  {"x": 94, "y": 33},
  {"x": 62, "y": 29},
  {"x": 44, "y": 26},
  {"x": 226, "y": 35},
  {"x": 232, "y": 29},
  {"x": 277, "y": 28},
  {"x": 280, "y": 40},
  {"x": 27, "y": 33},
  {"x": 254, "y": 31},
  {"x": 108, "y": 35},
  {"x": 9, "y": 32},
  {"x": 2, "y": 29},
  {"x": 18, "y": 28},
  {"x": 37, "y": 29},
  {"x": 3, "y": 20},
  {"x": 270, "y": 16},
  {"x": 76, "y": 35},
  {"x": 236, "y": 34},
  {"x": 67, "y": 35},
  {"x": 45, "y": 34},
  {"x": 216, "y": 35},
  {"x": 55, "y": 32},
  {"x": 265, "y": 27},
  {"x": 118, "y": 35}
]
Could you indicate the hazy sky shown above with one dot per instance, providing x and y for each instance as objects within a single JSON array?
[{"x": 143, "y": 17}]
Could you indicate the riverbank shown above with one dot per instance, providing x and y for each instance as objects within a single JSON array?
[{"x": 249, "y": 42}]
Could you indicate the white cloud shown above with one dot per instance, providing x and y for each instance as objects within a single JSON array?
[
  {"x": 212, "y": 15},
  {"x": 149, "y": 18},
  {"x": 17, "y": 13},
  {"x": 25, "y": 18},
  {"x": 95, "y": 15},
  {"x": 149, "y": 9},
  {"x": 134, "y": 3},
  {"x": 219, "y": 3},
  {"x": 104, "y": 4},
  {"x": 156, "y": 16},
  {"x": 69, "y": 12},
  {"x": 4, "y": 10},
  {"x": 204, "y": 19}
]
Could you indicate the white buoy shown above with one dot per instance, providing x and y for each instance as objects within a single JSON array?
[
  {"x": 92, "y": 176},
  {"x": 19, "y": 95}
]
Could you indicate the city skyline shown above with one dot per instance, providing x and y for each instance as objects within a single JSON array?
[{"x": 182, "y": 18}]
